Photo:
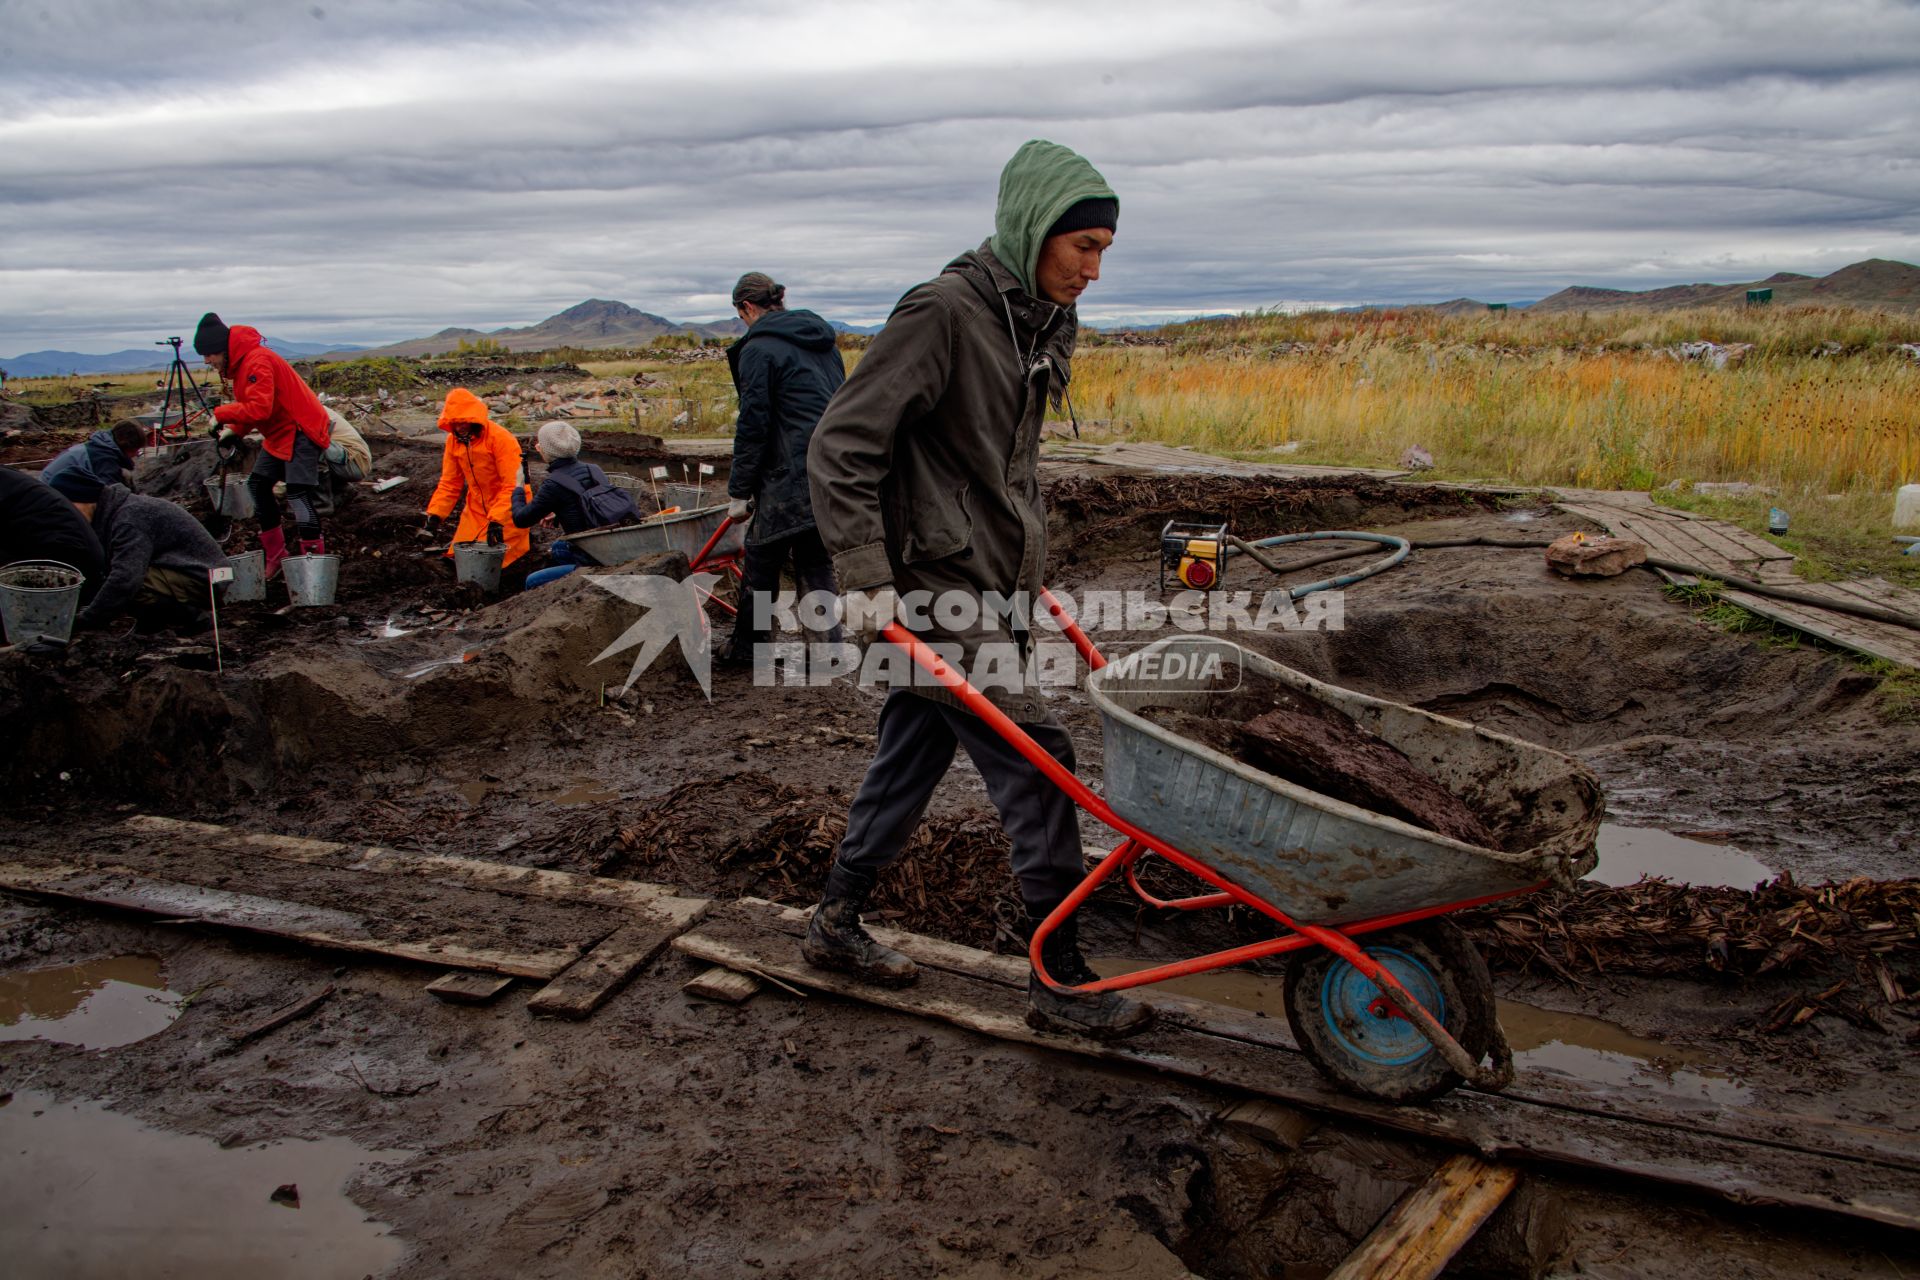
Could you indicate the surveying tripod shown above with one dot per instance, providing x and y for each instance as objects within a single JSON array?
[{"x": 179, "y": 383}]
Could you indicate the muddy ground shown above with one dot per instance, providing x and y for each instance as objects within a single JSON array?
[{"x": 796, "y": 1137}]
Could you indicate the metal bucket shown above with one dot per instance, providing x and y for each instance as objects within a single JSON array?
[
  {"x": 235, "y": 502},
  {"x": 688, "y": 497},
  {"x": 478, "y": 563},
  {"x": 249, "y": 577},
  {"x": 38, "y": 599},
  {"x": 685, "y": 532},
  {"x": 311, "y": 580}
]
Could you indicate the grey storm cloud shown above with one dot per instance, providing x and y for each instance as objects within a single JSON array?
[{"x": 376, "y": 170}]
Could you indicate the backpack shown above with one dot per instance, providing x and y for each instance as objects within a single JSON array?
[{"x": 605, "y": 503}]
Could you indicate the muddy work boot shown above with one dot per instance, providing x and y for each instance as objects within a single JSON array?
[
  {"x": 836, "y": 941},
  {"x": 1104, "y": 1015}
]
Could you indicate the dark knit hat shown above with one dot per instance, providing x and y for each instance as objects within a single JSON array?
[
  {"x": 76, "y": 484},
  {"x": 210, "y": 339},
  {"x": 1103, "y": 212},
  {"x": 758, "y": 288}
]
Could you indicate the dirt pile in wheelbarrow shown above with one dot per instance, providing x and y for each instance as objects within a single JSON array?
[{"x": 1321, "y": 748}]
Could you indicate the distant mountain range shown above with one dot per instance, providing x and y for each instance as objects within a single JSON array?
[
  {"x": 593, "y": 324},
  {"x": 1876, "y": 284},
  {"x": 54, "y": 364}
]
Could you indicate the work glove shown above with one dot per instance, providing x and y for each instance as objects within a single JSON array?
[
  {"x": 863, "y": 613},
  {"x": 739, "y": 509},
  {"x": 496, "y": 536},
  {"x": 430, "y": 531}
]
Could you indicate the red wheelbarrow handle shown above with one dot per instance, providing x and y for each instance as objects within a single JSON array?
[{"x": 1402, "y": 1000}]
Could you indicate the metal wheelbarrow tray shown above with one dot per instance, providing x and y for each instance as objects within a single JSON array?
[
  {"x": 1318, "y": 859},
  {"x": 689, "y": 532},
  {"x": 1384, "y": 996}
]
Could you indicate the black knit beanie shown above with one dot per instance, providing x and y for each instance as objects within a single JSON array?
[
  {"x": 1101, "y": 211},
  {"x": 210, "y": 339}
]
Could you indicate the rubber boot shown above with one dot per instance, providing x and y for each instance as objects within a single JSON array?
[
  {"x": 274, "y": 543},
  {"x": 835, "y": 939},
  {"x": 313, "y": 546},
  {"x": 1105, "y": 1015}
]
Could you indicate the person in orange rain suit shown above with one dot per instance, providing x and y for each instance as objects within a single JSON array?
[{"x": 481, "y": 460}]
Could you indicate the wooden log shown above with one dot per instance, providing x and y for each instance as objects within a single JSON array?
[
  {"x": 459, "y": 987},
  {"x": 320, "y": 926},
  {"x": 292, "y": 1013},
  {"x": 1433, "y": 1222},
  {"x": 594, "y": 978},
  {"x": 725, "y": 985}
]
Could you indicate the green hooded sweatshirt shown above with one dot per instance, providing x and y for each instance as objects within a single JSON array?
[{"x": 1041, "y": 182}]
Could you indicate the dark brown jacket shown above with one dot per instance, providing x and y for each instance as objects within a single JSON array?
[{"x": 923, "y": 467}]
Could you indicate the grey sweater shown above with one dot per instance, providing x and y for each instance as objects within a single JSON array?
[{"x": 140, "y": 533}]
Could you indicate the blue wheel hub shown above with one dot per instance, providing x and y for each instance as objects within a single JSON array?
[{"x": 1358, "y": 1019}]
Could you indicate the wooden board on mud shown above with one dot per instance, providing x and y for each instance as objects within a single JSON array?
[
  {"x": 1722, "y": 548},
  {"x": 1752, "y": 1158},
  {"x": 454, "y": 912}
]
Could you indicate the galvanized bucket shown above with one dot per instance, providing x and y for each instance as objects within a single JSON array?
[
  {"x": 38, "y": 600},
  {"x": 685, "y": 532},
  {"x": 311, "y": 580},
  {"x": 234, "y": 501},
  {"x": 478, "y": 563},
  {"x": 249, "y": 577},
  {"x": 688, "y": 497}
]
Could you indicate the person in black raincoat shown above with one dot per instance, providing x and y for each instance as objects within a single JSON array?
[{"x": 785, "y": 370}]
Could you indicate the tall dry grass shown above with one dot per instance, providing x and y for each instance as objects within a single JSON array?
[{"x": 1824, "y": 403}]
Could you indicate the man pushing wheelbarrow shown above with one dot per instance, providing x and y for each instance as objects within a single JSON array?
[
  {"x": 924, "y": 483},
  {"x": 924, "y": 480}
]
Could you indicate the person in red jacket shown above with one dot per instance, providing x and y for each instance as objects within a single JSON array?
[
  {"x": 270, "y": 398},
  {"x": 482, "y": 461}
]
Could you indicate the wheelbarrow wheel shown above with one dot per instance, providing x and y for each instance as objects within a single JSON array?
[{"x": 1343, "y": 1026}]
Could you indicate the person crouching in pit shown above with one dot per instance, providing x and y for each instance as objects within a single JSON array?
[
  {"x": 272, "y": 399},
  {"x": 577, "y": 494},
  {"x": 481, "y": 461}
]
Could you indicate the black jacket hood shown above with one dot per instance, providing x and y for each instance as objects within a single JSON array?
[{"x": 802, "y": 328}]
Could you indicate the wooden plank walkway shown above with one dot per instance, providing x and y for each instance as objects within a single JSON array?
[
  {"x": 1725, "y": 549},
  {"x": 587, "y": 935},
  {"x": 1753, "y": 1156}
]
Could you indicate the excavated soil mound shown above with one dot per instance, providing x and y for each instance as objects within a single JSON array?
[{"x": 329, "y": 706}]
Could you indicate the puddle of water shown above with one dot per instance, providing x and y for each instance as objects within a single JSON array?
[
  {"x": 94, "y": 1194},
  {"x": 1601, "y": 1052},
  {"x": 97, "y": 1005},
  {"x": 584, "y": 791},
  {"x": 1261, "y": 994},
  {"x": 1628, "y": 853},
  {"x": 473, "y": 792},
  {"x": 1571, "y": 1044}
]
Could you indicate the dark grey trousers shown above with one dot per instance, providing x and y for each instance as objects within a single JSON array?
[{"x": 917, "y": 740}]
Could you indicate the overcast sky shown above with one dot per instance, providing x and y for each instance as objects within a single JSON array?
[{"x": 369, "y": 170}]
